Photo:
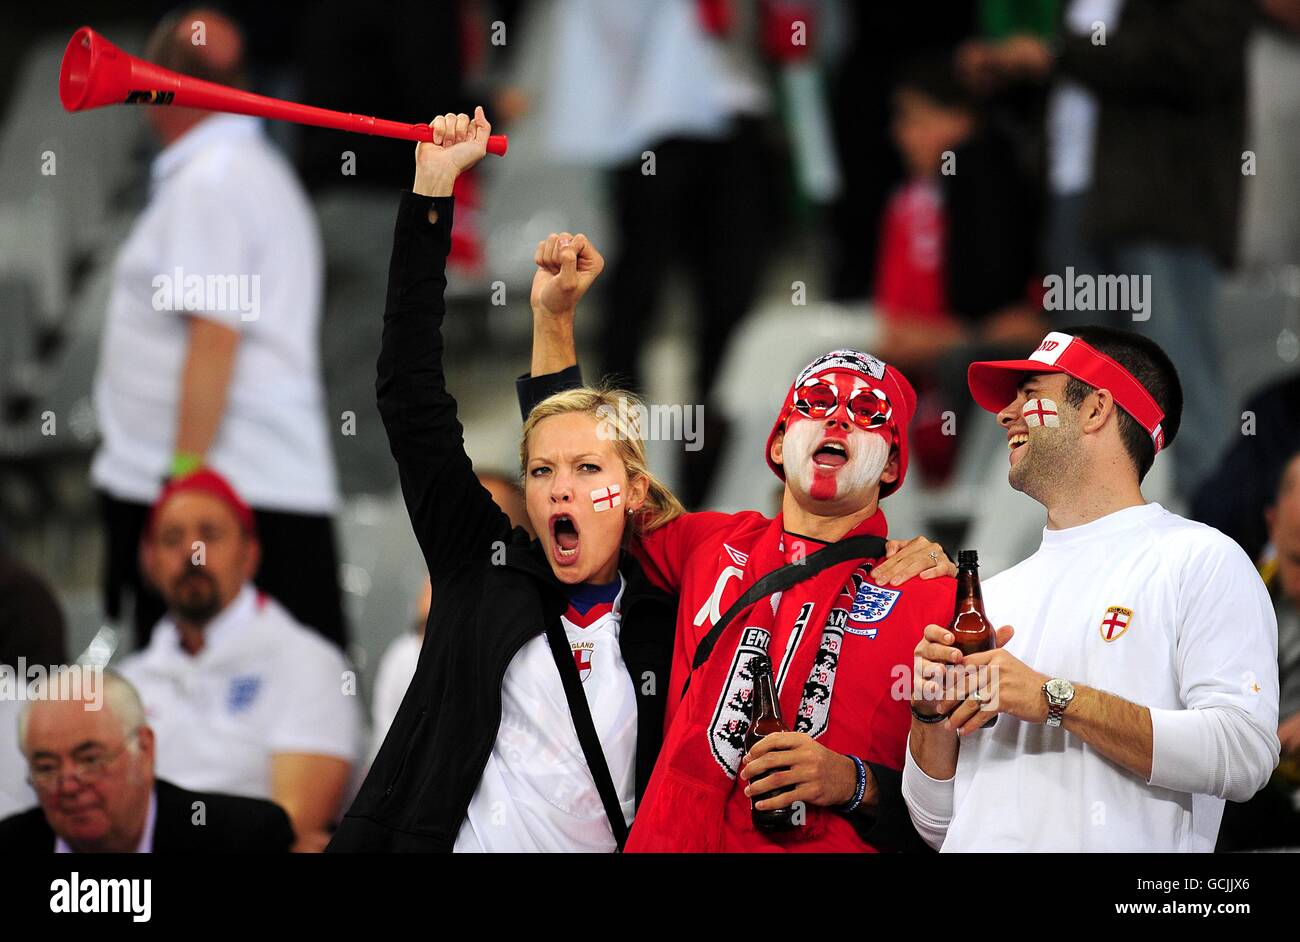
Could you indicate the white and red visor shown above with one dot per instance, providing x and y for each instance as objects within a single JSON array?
[{"x": 995, "y": 383}]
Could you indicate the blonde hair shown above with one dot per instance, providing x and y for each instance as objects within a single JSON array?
[{"x": 619, "y": 411}]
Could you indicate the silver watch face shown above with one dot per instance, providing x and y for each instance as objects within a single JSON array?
[{"x": 1060, "y": 690}]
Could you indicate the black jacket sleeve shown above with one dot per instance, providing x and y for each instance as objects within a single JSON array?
[
  {"x": 453, "y": 516},
  {"x": 888, "y": 827},
  {"x": 533, "y": 389}
]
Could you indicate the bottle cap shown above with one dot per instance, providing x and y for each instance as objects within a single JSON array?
[{"x": 968, "y": 558}]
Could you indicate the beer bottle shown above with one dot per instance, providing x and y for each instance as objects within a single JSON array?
[
  {"x": 972, "y": 632},
  {"x": 764, "y": 719}
]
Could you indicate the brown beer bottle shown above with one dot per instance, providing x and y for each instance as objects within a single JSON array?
[
  {"x": 764, "y": 719},
  {"x": 972, "y": 632}
]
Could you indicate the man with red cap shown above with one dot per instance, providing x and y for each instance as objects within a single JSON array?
[
  {"x": 245, "y": 700},
  {"x": 839, "y": 636},
  {"x": 1137, "y": 662}
]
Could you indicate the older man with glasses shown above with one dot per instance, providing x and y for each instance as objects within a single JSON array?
[{"x": 91, "y": 763}]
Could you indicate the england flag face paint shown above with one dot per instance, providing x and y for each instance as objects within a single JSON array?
[
  {"x": 606, "y": 498},
  {"x": 1041, "y": 413}
]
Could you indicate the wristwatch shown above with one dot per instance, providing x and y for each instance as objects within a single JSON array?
[{"x": 1059, "y": 693}]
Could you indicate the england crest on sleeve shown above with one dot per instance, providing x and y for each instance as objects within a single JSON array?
[{"x": 871, "y": 604}]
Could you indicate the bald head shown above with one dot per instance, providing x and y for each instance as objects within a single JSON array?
[
  {"x": 199, "y": 42},
  {"x": 101, "y": 692}
]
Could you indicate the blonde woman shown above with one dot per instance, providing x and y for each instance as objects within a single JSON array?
[{"x": 534, "y": 717}]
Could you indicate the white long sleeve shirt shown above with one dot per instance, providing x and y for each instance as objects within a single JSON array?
[{"x": 1164, "y": 612}]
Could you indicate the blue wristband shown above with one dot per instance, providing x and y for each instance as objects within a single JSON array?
[{"x": 860, "y": 792}]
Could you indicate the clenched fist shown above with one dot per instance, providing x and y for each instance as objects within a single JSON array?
[{"x": 566, "y": 267}]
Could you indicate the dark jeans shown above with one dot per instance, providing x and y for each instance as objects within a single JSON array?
[
  {"x": 300, "y": 569},
  {"x": 709, "y": 207}
]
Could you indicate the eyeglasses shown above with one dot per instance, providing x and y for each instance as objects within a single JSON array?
[
  {"x": 86, "y": 771},
  {"x": 869, "y": 408}
]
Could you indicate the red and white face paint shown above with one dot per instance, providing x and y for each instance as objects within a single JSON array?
[
  {"x": 606, "y": 498},
  {"x": 1041, "y": 413},
  {"x": 831, "y": 458}
]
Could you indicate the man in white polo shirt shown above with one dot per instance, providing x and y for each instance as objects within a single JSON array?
[
  {"x": 1137, "y": 666},
  {"x": 210, "y": 353},
  {"x": 243, "y": 698}
]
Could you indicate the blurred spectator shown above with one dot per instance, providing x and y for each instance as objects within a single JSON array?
[
  {"x": 879, "y": 38},
  {"x": 1234, "y": 498},
  {"x": 667, "y": 95},
  {"x": 397, "y": 666},
  {"x": 398, "y": 59},
  {"x": 402, "y": 60},
  {"x": 31, "y": 629},
  {"x": 957, "y": 251},
  {"x": 108, "y": 800},
  {"x": 245, "y": 699},
  {"x": 1282, "y": 574},
  {"x": 1272, "y": 817},
  {"x": 1270, "y": 223},
  {"x": 31, "y": 621},
  {"x": 210, "y": 351},
  {"x": 1145, "y": 133}
]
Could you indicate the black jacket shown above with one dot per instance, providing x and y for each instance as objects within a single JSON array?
[
  {"x": 232, "y": 825},
  {"x": 1171, "y": 83},
  {"x": 493, "y": 589}
]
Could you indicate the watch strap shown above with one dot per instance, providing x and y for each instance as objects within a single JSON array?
[{"x": 1055, "y": 707}]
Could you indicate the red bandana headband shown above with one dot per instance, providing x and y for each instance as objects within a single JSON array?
[
  {"x": 994, "y": 383},
  {"x": 206, "y": 481}
]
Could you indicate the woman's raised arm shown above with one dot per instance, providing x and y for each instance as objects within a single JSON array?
[{"x": 453, "y": 516}]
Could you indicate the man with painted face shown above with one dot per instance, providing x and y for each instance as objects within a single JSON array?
[
  {"x": 838, "y": 641},
  {"x": 1139, "y": 684}
]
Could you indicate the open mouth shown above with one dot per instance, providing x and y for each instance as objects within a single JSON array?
[
  {"x": 564, "y": 537},
  {"x": 1015, "y": 441},
  {"x": 831, "y": 455}
]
